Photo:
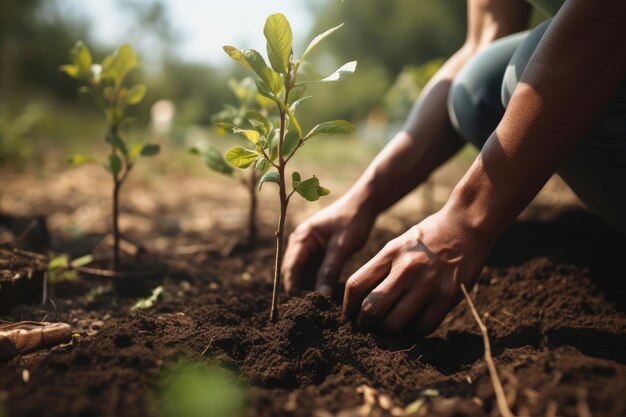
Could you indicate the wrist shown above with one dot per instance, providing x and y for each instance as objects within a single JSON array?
[{"x": 475, "y": 211}]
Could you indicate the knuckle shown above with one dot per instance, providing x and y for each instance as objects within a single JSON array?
[
  {"x": 369, "y": 307},
  {"x": 352, "y": 287}
]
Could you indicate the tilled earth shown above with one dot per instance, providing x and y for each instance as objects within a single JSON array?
[{"x": 553, "y": 297}]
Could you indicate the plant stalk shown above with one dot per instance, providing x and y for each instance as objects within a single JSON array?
[
  {"x": 284, "y": 201},
  {"x": 116, "y": 230},
  {"x": 252, "y": 217}
]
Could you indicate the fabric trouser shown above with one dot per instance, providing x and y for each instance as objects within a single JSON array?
[{"x": 595, "y": 171}]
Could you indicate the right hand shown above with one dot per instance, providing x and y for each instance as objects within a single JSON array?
[{"x": 319, "y": 247}]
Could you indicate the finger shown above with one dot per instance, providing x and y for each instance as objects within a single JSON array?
[
  {"x": 431, "y": 317},
  {"x": 363, "y": 281},
  {"x": 301, "y": 250},
  {"x": 331, "y": 267},
  {"x": 377, "y": 303},
  {"x": 407, "y": 308}
]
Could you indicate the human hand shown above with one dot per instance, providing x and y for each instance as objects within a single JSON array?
[
  {"x": 319, "y": 247},
  {"x": 414, "y": 281}
]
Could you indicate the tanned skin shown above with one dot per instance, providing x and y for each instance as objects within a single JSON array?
[{"x": 414, "y": 281}]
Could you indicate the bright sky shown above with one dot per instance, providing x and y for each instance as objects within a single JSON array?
[{"x": 204, "y": 26}]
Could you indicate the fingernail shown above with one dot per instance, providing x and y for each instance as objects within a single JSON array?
[{"x": 325, "y": 289}]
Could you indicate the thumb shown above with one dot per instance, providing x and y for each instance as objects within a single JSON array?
[{"x": 331, "y": 267}]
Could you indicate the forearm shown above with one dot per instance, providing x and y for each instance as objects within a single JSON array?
[
  {"x": 564, "y": 89},
  {"x": 428, "y": 140}
]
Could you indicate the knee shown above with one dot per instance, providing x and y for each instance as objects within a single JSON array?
[{"x": 468, "y": 109}]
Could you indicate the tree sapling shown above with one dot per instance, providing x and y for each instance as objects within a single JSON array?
[
  {"x": 274, "y": 147},
  {"x": 104, "y": 84},
  {"x": 250, "y": 103}
]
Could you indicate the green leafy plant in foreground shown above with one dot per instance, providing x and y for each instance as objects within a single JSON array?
[
  {"x": 104, "y": 84},
  {"x": 188, "y": 389},
  {"x": 275, "y": 147},
  {"x": 251, "y": 104}
]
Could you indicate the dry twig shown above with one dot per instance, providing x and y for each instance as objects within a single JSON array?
[{"x": 503, "y": 406}]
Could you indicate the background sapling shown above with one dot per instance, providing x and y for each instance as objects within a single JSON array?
[
  {"x": 276, "y": 146},
  {"x": 250, "y": 103},
  {"x": 104, "y": 84}
]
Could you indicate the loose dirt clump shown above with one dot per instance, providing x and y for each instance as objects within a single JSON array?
[{"x": 558, "y": 338}]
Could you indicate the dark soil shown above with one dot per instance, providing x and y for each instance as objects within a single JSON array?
[
  {"x": 554, "y": 294},
  {"x": 21, "y": 279}
]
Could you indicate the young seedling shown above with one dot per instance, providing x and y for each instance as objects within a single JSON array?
[
  {"x": 104, "y": 84},
  {"x": 250, "y": 103},
  {"x": 274, "y": 147}
]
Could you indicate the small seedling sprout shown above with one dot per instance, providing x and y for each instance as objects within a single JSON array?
[
  {"x": 275, "y": 147},
  {"x": 104, "y": 84}
]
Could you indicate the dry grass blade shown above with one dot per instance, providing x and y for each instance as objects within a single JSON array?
[{"x": 503, "y": 406}]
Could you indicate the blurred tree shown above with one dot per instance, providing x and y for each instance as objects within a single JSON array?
[
  {"x": 34, "y": 39},
  {"x": 393, "y": 33},
  {"x": 384, "y": 37}
]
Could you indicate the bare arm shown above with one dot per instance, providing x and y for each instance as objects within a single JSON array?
[
  {"x": 428, "y": 140},
  {"x": 576, "y": 68},
  {"x": 415, "y": 280}
]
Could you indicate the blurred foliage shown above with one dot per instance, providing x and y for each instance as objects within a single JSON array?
[
  {"x": 384, "y": 37},
  {"x": 408, "y": 85},
  {"x": 191, "y": 389},
  {"x": 16, "y": 145},
  {"x": 388, "y": 38},
  {"x": 34, "y": 39}
]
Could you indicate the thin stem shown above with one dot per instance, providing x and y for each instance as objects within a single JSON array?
[
  {"x": 252, "y": 218},
  {"x": 284, "y": 201},
  {"x": 503, "y": 406},
  {"x": 116, "y": 230}
]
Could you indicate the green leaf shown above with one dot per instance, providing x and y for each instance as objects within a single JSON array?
[
  {"x": 265, "y": 91},
  {"x": 252, "y": 135},
  {"x": 290, "y": 142},
  {"x": 296, "y": 103},
  {"x": 270, "y": 77},
  {"x": 79, "y": 159},
  {"x": 150, "y": 149},
  {"x": 292, "y": 118},
  {"x": 322, "y": 191},
  {"x": 134, "y": 150},
  {"x": 317, "y": 40},
  {"x": 259, "y": 122},
  {"x": 241, "y": 157},
  {"x": 269, "y": 177},
  {"x": 296, "y": 93},
  {"x": 213, "y": 158},
  {"x": 60, "y": 262},
  {"x": 237, "y": 55},
  {"x": 336, "y": 127},
  {"x": 82, "y": 261},
  {"x": 345, "y": 71},
  {"x": 279, "y": 37},
  {"x": 261, "y": 164},
  {"x": 115, "y": 164},
  {"x": 157, "y": 294},
  {"x": 71, "y": 70},
  {"x": 136, "y": 94},
  {"x": 81, "y": 58},
  {"x": 115, "y": 140},
  {"x": 119, "y": 64},
  {"x": 308, "y": 189}
]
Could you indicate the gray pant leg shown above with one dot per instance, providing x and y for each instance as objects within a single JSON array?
[
  {"x": 474, "y": 102},
  {"x": 596, "y": 171}
]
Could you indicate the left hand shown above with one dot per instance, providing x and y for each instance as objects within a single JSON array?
[{"x": 414, "y": 281}]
